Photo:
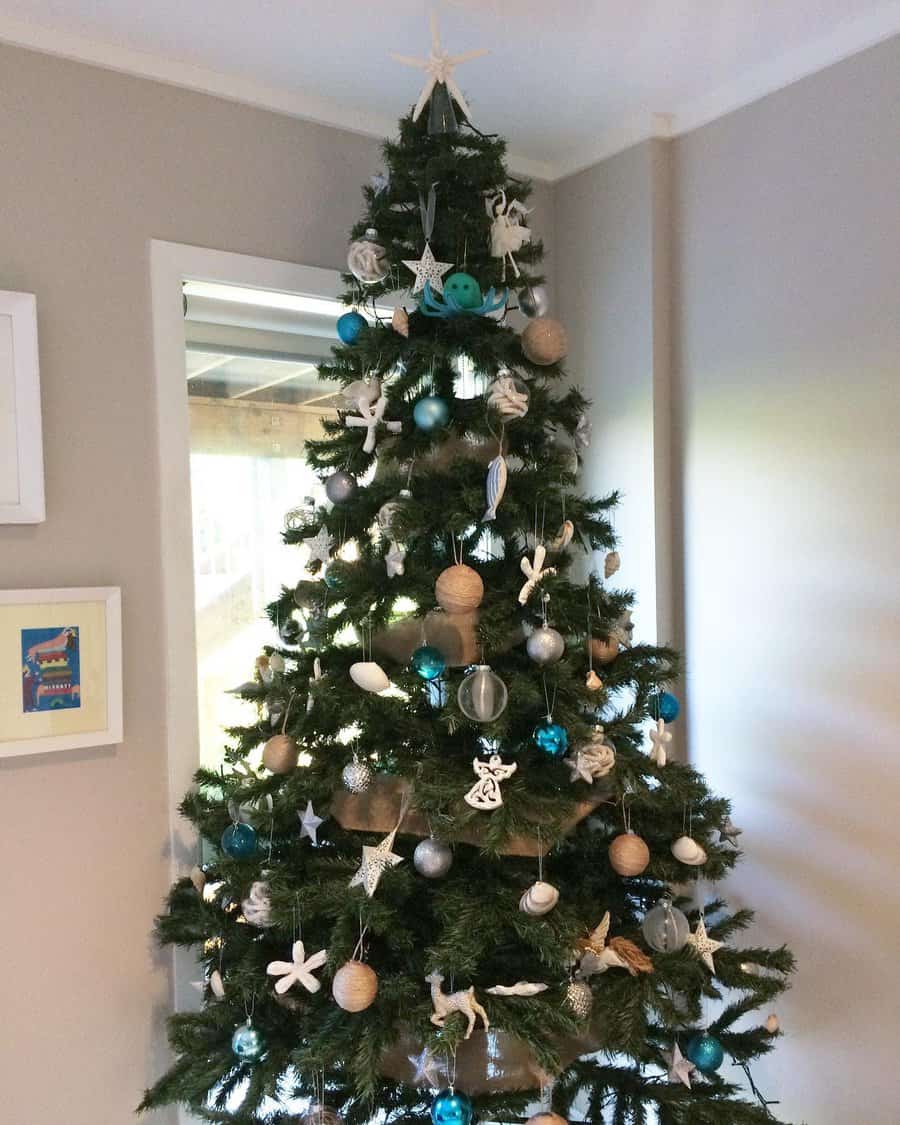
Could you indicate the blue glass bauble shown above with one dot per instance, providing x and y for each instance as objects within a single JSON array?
[
  {"x": 247, "y": 1043},
  {"x": 451, "y": 1108},
  {"x": 331, "y": 577},
  {"x": 666, "y": 707},
  {"x": 464, "y": 289},
  {"x": 431, "y": 413},
  {"x": 551, "y": 738},
  {"x": 239, "y": 841},
  {"x": 349, "y": 327},
  {"x": 427, "y": 662},
  {"x": 705, "y": 1052}
]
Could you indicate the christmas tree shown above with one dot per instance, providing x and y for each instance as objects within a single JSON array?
[{"x": 449, "y": 878}]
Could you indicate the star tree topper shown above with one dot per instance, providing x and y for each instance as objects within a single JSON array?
[
  {"x": 375, "y": 861},
  {"x": 427, "y": 268},
  {"x": 439, "y": 68},
  {"x": 703, "y": 945}
]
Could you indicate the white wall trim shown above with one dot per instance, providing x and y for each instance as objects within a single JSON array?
[{"x": 170, "y": 265}]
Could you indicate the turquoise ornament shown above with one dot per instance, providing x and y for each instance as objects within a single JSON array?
[
  {"x": 248, "y": 1043},
  {"x": 552, "y": 738},
  {"x": 705, "y": 1052},
  {"x": 666, "y": 706},
  {"x": 331, "y": 577},
  {"x": 451, "y": 1108},
  {"x": 464, "y": 290},
  {"x": 427, "y": 662},
  {"x": 431, "y": 413},
  {"x": 349, "y": 327},
  {"x": 239, "y": 841}
]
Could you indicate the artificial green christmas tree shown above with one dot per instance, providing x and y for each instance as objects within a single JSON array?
[{"x": 448, "y": 872}]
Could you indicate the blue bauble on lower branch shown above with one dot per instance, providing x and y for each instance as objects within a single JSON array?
[
  {"x": 248, "y": 1043},
  {"x": 552, "y": 738},
  {"x": 239, "y": 841},
  {"x": 450, "y": 1107},
  {"x": 665, "y": 706},
  {"x": 705, "y": 1052},
  {"x": 427, "y": 662},
  {"x": 431, "y": 413},
  {"x": 349, "y": 327}
]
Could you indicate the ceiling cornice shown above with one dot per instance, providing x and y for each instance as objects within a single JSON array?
[{"x": 853, "y": 36}]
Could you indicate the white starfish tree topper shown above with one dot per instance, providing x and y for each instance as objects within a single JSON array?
[{"x": 439, "y": 67}]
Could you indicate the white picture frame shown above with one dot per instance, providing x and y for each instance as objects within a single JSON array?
[
  {"x": 21, "y": 445},
  {"x": 82, "y": 682}
]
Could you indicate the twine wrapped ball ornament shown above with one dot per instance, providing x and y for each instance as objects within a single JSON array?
[
  {"x": 603, "y": 650},
  {"x": 629, "y": 854},
  {"x": 544, "y": 341},
  {"x": 355, "y": 986},
  {"x": 281, "y": 754},
  {"x": 546, "y": 1119},
  {"x": 459, "y": 589}
]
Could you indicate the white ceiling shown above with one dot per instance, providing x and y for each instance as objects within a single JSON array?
[{"x": 567, "y": 81}]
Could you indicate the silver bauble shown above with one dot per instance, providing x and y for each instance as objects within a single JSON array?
[
  {"x": 534, "y": 300},
  {"x": 432, "y": 858},
  {"x": 545, "y": 645},
  {"x": 356, "y": 776},
  {"x": 579, "y": 999},
  {"x": 341, "y": 487},
  {"x": 665, "y": 927},
  {"x": 366, "y": 259}
]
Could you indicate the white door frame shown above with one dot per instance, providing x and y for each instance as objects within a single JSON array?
[{"x": 171, "y": 264}]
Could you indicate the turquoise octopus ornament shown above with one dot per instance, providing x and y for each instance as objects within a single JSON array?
[{"x": 459, "y": 302}]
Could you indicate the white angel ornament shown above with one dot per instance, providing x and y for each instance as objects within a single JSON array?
[{"x": 485, "y": 793}]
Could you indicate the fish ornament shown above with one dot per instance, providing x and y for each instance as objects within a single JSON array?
[{"x": 495, "y": 486}]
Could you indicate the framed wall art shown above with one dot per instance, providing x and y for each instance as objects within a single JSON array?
[
  {"x": 60, "y": 669},
  {"x": 21, "y": 449}
]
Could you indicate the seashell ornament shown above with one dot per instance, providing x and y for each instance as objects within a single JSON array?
[
  {"x": 400, "y": 321},
  {"x": 369, "y": 676},
  {"x": 687, "y": 850},
  {"x": 611, "y": 564},
  {"x": 540, "y": 898}
]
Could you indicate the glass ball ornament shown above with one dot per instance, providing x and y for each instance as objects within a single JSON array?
[
  {"x": 705, "y": 1052},
  {"x": 431, "y": 413},
  {"x": 239, "y": 841},
  {"x": 366, "y": 259},
  {"x": 665, "y": 928},
  {"x": 464, "y": 289},
  {"x": 318, "y": 1114},
  {"x": 432, "y": 858},
  {"x": 450, "y": 1107},
  {"x": 341, "y": 487},
  {"x": 665, "y": 706},
  {"x": 248, "y": 1043},
  {"x": 482, "y": 695},
  {"x": 545, "y": 646},
  {"x": 552, "y": 738},
  {"x": 534, "y": 300},
  {"x": 290, "y": 632},
  {"x": 349, "y": 327},
  {"x": 331, "y": 576},
  {"x": 427, "y": 662},
  {"x": 356, "y": 776},
  {"x": 579, "y": 999}
]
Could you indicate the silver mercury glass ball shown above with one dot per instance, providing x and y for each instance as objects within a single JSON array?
[
  {"x": 432, "y": 858},
  {"x": 534, "y": 300},
  {"x": 341, "y": 487},
  {"x": 579, "y": 999},
  {"x": 356, "y": 776},
  {"x": 545, "y": 645}
]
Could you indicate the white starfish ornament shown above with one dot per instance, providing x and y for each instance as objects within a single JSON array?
[
  {"x": 320, "y": 545},
  {"x": 729, "y": 833},
  {"x": 439, "y": 67},
  {"x": 429, "y": 269},
  {"x": 309, "y": 823},
  {"x": 370, "y": 416},
  {"x": 680, "y": 1068},
  {"x": 427, "y": 1069},
  {"x": 299, "y": 970},
  {"x": 703, "y": 945},
  {"x": 660, "y": 738},
  {"x": 375, "y": 861}
]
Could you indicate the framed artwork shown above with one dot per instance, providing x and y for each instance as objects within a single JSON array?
[
  {"x": 21, "y": 449},
  {"x": 60, "y": 669}
]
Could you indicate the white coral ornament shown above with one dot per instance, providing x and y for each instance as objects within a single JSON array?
[
  {"x": 535, "y": 572},
  {"x": 660, "y": 738},
  {"x": 370, "y": 417}
]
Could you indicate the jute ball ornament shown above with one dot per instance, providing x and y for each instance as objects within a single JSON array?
[
  {"x": 544, "y": 341},
  {"x": 629, "y": 854},
  {"x": 355, "y": 986},
  {"x": 604, "y": 650},
  {"x": 546, "y": 1119},
  {"x": 459, "y": 589},
  {"x": 280, "y": 754}
]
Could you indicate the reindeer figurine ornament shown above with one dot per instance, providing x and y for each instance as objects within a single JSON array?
[{"x": 446, "y": 1003}]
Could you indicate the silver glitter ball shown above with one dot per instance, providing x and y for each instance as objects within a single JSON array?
[
  {"x": 432, "y": 858},
  {"x": 534, "y": 300},
  {"x": 357, "y": 776},
  {"x": 579, "y": 999},
  {"x": 545, "y": 646},
  {"x": 341, "y": 487}
]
